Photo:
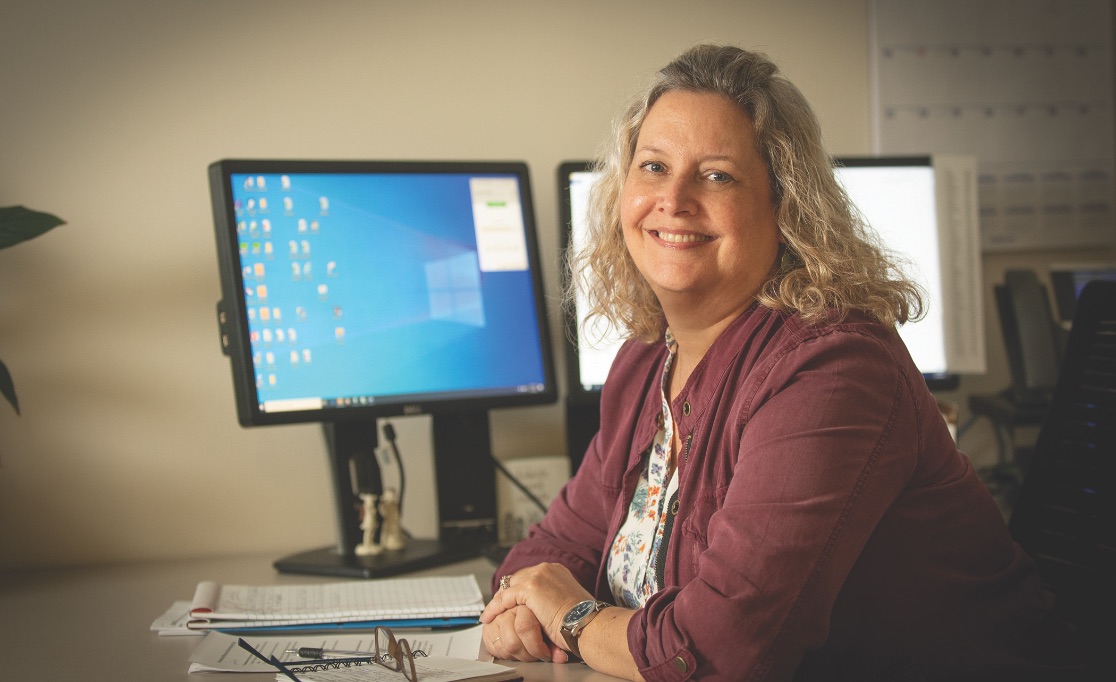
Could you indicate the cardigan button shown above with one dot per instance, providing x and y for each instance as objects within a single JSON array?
[
  {"x": 680, "y": 664},
  {"x": 686, "y": 408},
  {"x": 674, "y": 507}
]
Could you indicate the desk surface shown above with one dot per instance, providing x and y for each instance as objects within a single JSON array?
[{"x": 93, "y": 623}]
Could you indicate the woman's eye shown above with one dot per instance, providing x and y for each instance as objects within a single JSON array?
[
  {"x": 652, "y": 166},
  {"x": 718, "y": 176}
]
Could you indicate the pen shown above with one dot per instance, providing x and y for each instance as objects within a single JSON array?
[{"x": 316, "y": 652}]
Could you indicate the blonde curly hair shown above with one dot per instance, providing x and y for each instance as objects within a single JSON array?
[{"x": 831, "y": 262}]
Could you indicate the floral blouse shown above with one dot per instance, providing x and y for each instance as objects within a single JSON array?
[{"x": 640, "y": 544}]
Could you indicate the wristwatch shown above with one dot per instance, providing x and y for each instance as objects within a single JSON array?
[{"x": 576, "y": 619}]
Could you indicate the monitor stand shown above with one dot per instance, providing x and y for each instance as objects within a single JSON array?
[{"x": 466, "y": 495}]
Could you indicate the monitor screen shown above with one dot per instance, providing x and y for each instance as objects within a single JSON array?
[
  {"x": 591, "y": 344},
  {"x": 358, "y": 289},
  {"x": 898, "y": 202}
]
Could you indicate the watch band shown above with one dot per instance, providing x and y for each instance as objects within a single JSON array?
[{"x": 571, "y": 629}]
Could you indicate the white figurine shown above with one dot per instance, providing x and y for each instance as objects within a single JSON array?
[
  {"x": 391, "y": 534},
  {"x": 368, "y": 524}
]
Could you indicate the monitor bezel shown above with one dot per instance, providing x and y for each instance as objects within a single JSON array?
[{"x": 232, "y": 309}]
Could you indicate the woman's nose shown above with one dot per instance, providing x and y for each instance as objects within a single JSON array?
[{"x": 677, "y": 196}]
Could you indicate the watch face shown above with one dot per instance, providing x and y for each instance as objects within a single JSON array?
[{"x": 578, "y": 612}]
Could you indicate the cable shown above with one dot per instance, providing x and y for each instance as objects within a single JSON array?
[
  {"x": 518, "y": 484},
  {"x": 389, "y": 434}
]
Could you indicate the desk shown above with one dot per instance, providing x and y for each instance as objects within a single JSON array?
[{"x": 91, "y": 624}]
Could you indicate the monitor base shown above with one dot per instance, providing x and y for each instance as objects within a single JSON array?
[{"x": 417, "y": 555}]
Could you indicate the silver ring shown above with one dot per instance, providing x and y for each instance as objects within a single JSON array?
[
  {"x": 505, "y": 582},
  {"x": 496, "y": 640}
]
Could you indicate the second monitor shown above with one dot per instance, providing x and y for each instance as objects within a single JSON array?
[{"x": 923, "y": 208}]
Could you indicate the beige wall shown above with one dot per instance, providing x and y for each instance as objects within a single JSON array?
[{"x": 128, "y": 447}]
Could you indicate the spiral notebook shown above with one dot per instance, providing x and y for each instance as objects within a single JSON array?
[
  {"x": 430, "y": 669},
  {"x": 425, "y": 601}
]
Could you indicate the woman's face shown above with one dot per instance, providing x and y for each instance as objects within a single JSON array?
[{"x": 696, "y": 208}]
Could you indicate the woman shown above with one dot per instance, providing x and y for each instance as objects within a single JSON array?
[{"x": 773, "y": 493}]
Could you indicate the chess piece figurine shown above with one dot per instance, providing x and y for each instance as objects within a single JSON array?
[
  {"x": 368, "y": 523},
  {"x": 391, "y": 533}
]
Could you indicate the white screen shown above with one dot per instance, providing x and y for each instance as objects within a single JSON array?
[
  {"x": 597, "y": 342},
  {"x": 899, "y": 203}
]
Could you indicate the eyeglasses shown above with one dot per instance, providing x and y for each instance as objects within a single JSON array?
[{"x": 393, "y": 654}]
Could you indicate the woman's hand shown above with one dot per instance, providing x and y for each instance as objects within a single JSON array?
[
  {"x": 515, "y": 635},
  {"x": 524, "y": 620}
]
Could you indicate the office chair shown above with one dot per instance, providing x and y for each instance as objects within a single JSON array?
[
  {"x": 1032, "y": 339},
  {"x": 1065, "y": 515}
]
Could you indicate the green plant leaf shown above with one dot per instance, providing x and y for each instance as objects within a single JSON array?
[
  {"x": 18, "y": 224},
  {"x": 7, "y": 387}
]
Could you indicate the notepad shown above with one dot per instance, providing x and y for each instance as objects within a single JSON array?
[{"x": 424, "y": 601}]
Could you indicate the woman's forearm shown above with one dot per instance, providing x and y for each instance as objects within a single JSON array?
[{"x": 604, "y": 644}]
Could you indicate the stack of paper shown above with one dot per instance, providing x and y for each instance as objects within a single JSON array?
[
  {"x": 219, "y": 652},
  {"x": 393, "y": 602}
]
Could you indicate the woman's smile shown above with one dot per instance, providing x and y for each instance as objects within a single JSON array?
[{"x": 680, "y": 237}]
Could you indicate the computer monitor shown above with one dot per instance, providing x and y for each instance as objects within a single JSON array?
[
  {"x": 1068, "y": 280},
  {"x": 590, "y": 345},
  {"x": 357, "y": 290},
  {"x": 924, "y": 209}
]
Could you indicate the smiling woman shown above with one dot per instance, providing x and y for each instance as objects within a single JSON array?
[{"x": 773, "y": 493}]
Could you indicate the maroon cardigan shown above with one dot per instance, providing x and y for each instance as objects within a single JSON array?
[{"x": 828, "y": 527}]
